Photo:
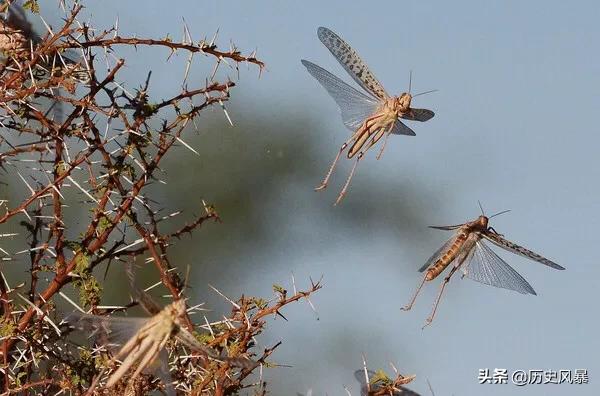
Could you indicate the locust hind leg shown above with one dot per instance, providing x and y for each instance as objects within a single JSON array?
[
  {"x": 333, "y": 164},
  {"x": 361, "y": 154},
  {"x": 439, "y": 296},
  {"x": 366, "y": 126},
  {"x": 136, "y": 354},
  {"x": 408, "y": 306},
  {"x": 345, "y": 188},
  {"x": 150, "y": 356}
]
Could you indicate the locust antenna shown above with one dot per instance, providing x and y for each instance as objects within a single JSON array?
[
  {"x": 481, "y": 207},
  {"x": 499, "y": 213},
  {"x": 426, "y": 92},
  {"x": 409, "y": 81}
]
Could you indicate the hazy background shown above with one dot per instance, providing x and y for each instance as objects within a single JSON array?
[{"x": 515, "y": 127}]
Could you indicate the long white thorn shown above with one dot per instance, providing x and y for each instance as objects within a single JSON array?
[
  {"x": 187, "y": 145},
  {"x": 40, "y": 312},
  {"x": 225, "y": 111},
  {"x": 225, "y": 297},
  {"x": 27, "y": 184}
]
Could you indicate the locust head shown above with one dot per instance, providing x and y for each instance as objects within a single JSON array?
[
  {"x": 404, "y": 102},
  {"x": 481, "y": 223}
]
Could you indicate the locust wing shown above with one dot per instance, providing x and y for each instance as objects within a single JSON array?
[
  {"x": 354, "y": 105},
  {"x": 498, "y": 240},
  {"x": 419, "y": 115},
  {"x": 485, "y": 266},
  {"x": 401, "y": 129},
  {"x": 349, "y": 59}
]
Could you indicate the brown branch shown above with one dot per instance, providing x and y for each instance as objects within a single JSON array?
[{"x": 202, "y": 47}]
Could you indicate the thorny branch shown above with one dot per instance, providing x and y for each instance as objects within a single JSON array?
[{"x": 76, "y": 140}]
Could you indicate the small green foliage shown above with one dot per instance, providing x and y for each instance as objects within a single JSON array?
[
  {"x": 82, "y": 263},
  {"x": 103, "y": 224},
  {"x": 7, "y": 328},
  {"x": 260, "y": 303},
  {"x": 219, "y": 327},
  {"x": 126, "y": 169},
  {"x": 211, "y": 210},
  {"x": 18, "y": 378},
  {"x": 90, "y": 289},
  {"x": 129, "y": 218},
  {"x": 100, "y": 191},
  {"x": 73, "y": 377},
  {"x": 22, "y": 112},
  {"x": 381, "y": 378},
  {"x": 73, "y": 245},
  {"x": 32, "y": 5},
  {"x": 148, "y": 109},
  {"x": 85, "y": 355},
  {"x": 235, "y": 348},
  {"x": 204, "y": 338},
  {"x": 61, "y": 168},
  {"x": 279, "y": 289}
]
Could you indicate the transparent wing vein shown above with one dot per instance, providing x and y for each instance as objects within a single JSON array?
[
  {"x": 109, "y": 331},
  {"x": 354, "y": 105},
  {"x": 485, "y": 266}
]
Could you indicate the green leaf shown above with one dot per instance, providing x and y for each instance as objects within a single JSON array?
[{"x": 32, "y": 5}]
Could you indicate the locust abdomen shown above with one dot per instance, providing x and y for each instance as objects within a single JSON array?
[{"x": 444, "y": 261}]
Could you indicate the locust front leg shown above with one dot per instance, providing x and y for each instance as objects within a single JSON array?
[{"x": 387, "y": 135}]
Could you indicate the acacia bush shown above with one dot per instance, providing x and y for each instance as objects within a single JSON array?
[
  {"x": 80, "y": 158},
  {"x": 80, "y": 141}
]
